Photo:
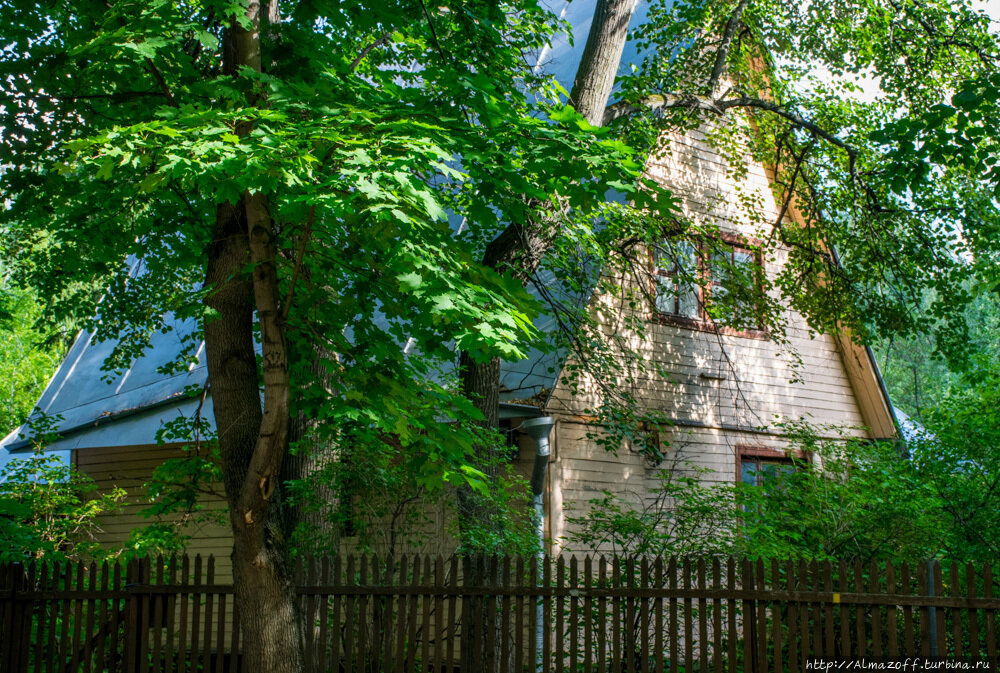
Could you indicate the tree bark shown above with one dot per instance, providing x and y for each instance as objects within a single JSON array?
[
  {"x": 313, "y": 456},
  {"x": 595, "y": 77},
  {"x": 252, "y": 440}
]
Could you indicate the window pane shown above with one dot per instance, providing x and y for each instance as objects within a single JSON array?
[
  {"x": 688, "y": 301},
  {"x": 677, "y": 292},
  {"x": 666, "y": 300},
  {"x": 734, "y": 287},
  {"x": 748, "y": 472}
]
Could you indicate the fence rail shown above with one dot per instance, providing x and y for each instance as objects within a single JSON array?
[{"x": 511, "y": 614}]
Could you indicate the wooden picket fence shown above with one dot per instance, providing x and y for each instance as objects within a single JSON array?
[{"x": 422, "y": 613}]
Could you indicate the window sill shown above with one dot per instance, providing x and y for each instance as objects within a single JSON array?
[{"x": 709, "y": 326}]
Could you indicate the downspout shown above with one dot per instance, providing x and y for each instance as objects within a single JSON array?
[{"x": 538, "y": 429}]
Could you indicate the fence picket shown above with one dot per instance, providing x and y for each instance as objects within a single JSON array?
[
  {"x": 688, "y": 618},
  {"x": 43, "y": 619},
  {"x": 904, "y": 576},
  {"x": 970, "y": 584},
  {"x": 384, "y": 603},
  {"x": 924, "y": 580},
  {"x": 574, "y": 615},
  {"x": 170, "y": 662},
  {"x": 776, "y": 620},
  {"x": 991, "y": 632},
  {"x": 829, "y": 649},
  {"x": 547, "y": 616},
  {"x": 716, "y": 618},
  {"x": 411, "y": 645},
  {"x": 220, "y": 630},
  {"x": 588, "y": 612},
  {"x": 400, "y": 619},
  {"x": 308, "y": 567},
  {"x": 956, "y": 615},
  {"x": 792, "y": 620},
  {"x": 761, "y": 618},
  {"x": 195, "y": 656},
  {"x": 182, "y": 651},
  {"x": 157, "y": 618},
  {"x": 859, "y": 612},
  {"x": 891, "y": 610},
  {"x": 439, "y": 623},
  {"x": 361, "y": 654},
  {"x": 560, "y": 609},
  {"x": 749, "y": 621},
  {"x": 452, "y": 608},
  {"x": 940, "y": 630},
  {"x": 845, "y": 619},
  {"x": 674, "y": 645},
  {"x": 21, "y": 631},
  {"x": 335, "y": 631},
  {"x": 805, "y": 610},
  {"x": 519, "y": 635},
  {"x": 324, "y": 615},
  {"x": 350, "y": 620},
  {"x": 817, "y": 611},
  {"x": 873, "y": 588},
  {"x": 209, "y": 615},
  {"x": 702, "y": 616},
  {"x": 631, "y": 636},
  {"x": 425, "y": 624},
  {"x": 658, "y": 613},
  {"x": 731, "y": 613}
]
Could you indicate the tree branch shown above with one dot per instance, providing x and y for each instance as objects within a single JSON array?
[
  {"x": 158, "y": 76},
  {"x": 299, "y": 255},
  {"x": 374, "y": 45},
  {"x": 723, "y": 51},
  {"x": 656, "y": 102}
]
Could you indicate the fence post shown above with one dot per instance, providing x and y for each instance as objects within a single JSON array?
[
  {"x": 131, "y": 645},
  {"x": 931, "y": 610},
  {"x": 8, "y": 588},
  {"x": 749, "y": 621}
]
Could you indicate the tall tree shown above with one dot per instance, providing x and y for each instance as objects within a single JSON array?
[{"x": 287, "y": 177}]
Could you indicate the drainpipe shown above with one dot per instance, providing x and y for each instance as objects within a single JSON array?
[{"x": 538, "y": 429}]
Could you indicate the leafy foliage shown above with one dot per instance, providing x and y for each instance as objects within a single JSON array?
[
  {"x": 28, "y": 355},
  {"x": 849, "y": 500},
  {"x": 46, "y": 510},
  {"x": 373, "y": 136}
]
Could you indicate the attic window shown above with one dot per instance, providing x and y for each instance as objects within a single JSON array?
[{"x": 711, "y": 286}]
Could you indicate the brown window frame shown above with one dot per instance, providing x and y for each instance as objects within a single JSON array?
[
  {"x": 755, "y": 453},
  {"x": 704, "y": 323}
]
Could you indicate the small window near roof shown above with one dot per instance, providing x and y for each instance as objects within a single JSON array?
[{"x": 715, "y": 286}]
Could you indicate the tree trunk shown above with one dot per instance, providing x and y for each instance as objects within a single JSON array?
[
  {"x": 519, "y": 249},
  {"x": 595, "y": 77},
  {"x": 481, "y": 384},
  {"x": 252, "y": 440},
  {"x": 260, "y": 576},
  {"x": 313, "y": 456}
]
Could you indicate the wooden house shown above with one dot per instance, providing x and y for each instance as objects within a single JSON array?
[{"x": 725, "y": 395}]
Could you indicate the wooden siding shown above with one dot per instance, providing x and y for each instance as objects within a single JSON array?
[{"x": 130, "y": 468}]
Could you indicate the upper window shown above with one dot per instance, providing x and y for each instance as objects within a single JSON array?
[
  {"x": 757, "y": 466},
  {"x": 716, "y": 285}
]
